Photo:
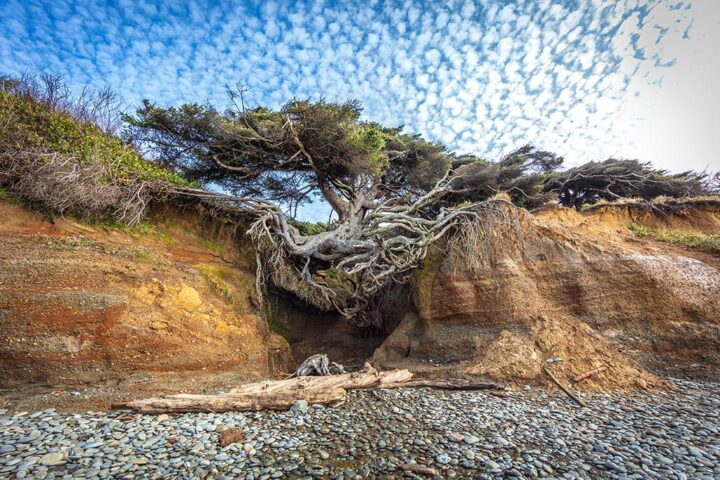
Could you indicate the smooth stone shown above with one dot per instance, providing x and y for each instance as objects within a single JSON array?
[
  {"x": 300, "y": 406},
  {"x": 50, "y": 459}
]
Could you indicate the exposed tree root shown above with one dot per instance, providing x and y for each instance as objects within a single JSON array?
[{"x": 346, "y": 267}]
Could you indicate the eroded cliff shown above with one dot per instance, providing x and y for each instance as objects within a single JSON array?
[
  {"x": 92, "y": 313},
  {"x": 105, "y": 312},
  {"x": 580, "y": 287}
]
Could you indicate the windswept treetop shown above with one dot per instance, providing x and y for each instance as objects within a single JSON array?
[
  {"x": 394, "y": 193},
  {"x": 613, "y": 179},
  {"x": 292, "y": 154}
]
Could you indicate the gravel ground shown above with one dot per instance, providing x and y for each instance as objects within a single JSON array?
[{"x": 530, "y": 434}]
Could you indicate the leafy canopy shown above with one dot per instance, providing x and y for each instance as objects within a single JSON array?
[{"x": 292, "y": 154}]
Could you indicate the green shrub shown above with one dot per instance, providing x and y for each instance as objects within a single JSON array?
[
  {"x": 308, "y": 228},
  {"x": 216, "y": 276},
  {"x": 28, "y": 125},
  {"x": 639, "y": 230},
  {"x": 214, "y": 246},
  {"x": 55, "y": 157}
]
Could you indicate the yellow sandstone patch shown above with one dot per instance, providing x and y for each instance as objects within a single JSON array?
[{"x": 189, "y": 298}]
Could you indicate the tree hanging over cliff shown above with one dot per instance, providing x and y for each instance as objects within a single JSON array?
[
  {"x": 384, "y": 186},
  {"x": 392, "y": 193},
  {"x": 293, "y": 154}
]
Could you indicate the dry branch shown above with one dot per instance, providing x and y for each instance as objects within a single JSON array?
[
  {"x": 446, "y": 384},
  {"x": 564, "y": 388}
]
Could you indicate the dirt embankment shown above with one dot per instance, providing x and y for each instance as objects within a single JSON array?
[
  {"x": 105, "y": 313},
  {"x": 579, "y": 287},
  {"x": 93, "y": 314}
]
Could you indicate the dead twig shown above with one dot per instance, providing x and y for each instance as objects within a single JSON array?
[
  {"x": 564, "y": 388},
  {"x": 586, "y": 375}
]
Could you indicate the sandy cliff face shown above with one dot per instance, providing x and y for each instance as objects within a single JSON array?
[
  {"x": 115, "y": 314},
  {"x": 165, "y": 309},
  {"x": 558, "y": 284}
]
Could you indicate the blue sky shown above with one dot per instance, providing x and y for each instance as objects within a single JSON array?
[{"x": 585, "y": 78}]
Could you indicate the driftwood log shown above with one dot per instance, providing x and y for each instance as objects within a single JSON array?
[
  {"x": 564, "y": 388},
  {"x": 282, "y": 394}
]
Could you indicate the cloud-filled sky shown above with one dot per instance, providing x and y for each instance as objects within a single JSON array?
[{"x": 586, "y": 78}]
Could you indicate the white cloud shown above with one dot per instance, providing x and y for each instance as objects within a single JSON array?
[{"x": 477, "y": 76}]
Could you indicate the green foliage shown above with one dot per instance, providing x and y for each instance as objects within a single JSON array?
[
  {"x": 214, "y": 246},
  {"x": 691, "y": 238},
  {"x": 216, "y": 276},
  {"x": 280, "y": 325},
  {"x": 639, "y": 230},
  {"x": 340, "y": 282},
  {"x": 8, "y": 197},
  {"x": 369, "y": 139},
  {"x": 424, "y": 268},
  {"x": 308, "y": 228},
  {"x": 30, "y": 125}
]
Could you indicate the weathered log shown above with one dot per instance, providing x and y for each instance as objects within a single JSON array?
[
  {"x": 273, "y": 394},
  {"x": 229, "y": 402},
  {"x": 563, "y": 388},
  {"x": 282, "y": 394},
  {"x": 583, "y": 376},
  {"x": 366, "y": 378}
]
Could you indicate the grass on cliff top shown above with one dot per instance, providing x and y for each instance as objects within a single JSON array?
[
  {"x": 693, "y": 239},
  {"x": 32, "y": 126}
]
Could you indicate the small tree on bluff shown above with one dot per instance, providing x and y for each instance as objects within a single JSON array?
[{"x": 614, "y": 179}]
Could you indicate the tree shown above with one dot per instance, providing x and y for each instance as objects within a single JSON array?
[
  {"x": 521, "y": 174},
  {"x": 393, "y": 194},
  {"x": 383, "y": 185},
  {"x": 614, "y": 179}
]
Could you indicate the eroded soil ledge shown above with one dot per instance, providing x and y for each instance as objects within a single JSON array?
[{"x": 91, "y": 315}]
